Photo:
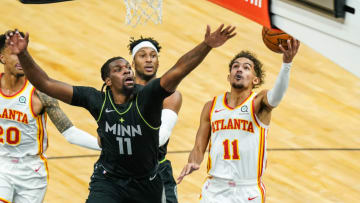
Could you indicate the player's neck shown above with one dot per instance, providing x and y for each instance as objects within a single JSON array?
[
  {"x": 121, "y": 97},
  {"x": 237, "y": 96},
  {"x": 141, "y": 81},
  {"x": 11, "y": 83}
]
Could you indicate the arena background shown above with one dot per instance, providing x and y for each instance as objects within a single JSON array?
[{"x": 313, "y": 143}]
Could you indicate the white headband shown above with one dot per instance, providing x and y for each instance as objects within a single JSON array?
[{"x": 142, "y": 45}]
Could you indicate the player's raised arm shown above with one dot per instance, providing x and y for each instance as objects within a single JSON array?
[
  {"x": 34, "y": 73},
  {"x": 202, "y": 139},
  {"x": 269, "y": 99},
  {"x": 274, "y": 96},
  {"x": 194, "y": 57}
]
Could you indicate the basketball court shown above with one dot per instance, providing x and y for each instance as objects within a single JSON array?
[{"x": 314, "y": 138}]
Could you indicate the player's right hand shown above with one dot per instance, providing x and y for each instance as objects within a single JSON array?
[
  {"x": 16, "y": 42},
  {"x": 289, "y": 54},
  {"x": 189, "y": 168},
  {"x": 219, "y": 36}
]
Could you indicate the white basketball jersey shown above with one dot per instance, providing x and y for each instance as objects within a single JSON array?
[
  {"x": 22, "y": 133},
  {"x": 237, "y": 148}
]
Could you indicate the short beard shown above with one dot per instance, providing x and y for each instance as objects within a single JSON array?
[
  {"x": 236, "y": 86},
  {"x": 128, "y": 90},
  {"x": 145, "y": 77},
  {"x": 20, "y": 75}
]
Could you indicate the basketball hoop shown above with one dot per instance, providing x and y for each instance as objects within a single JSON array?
[{"x": 141, "y": 11}]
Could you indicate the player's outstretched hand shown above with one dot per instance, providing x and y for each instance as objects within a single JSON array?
[
  {"x": 189, "y": 168},
  {"x": 220, "y": 36},
  {"x": 289, "y": 54},
  {"x": 16, "y": 42}
]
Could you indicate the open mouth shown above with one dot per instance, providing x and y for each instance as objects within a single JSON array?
[
  {"x": 129, "y": 81},
  {"x": 149, "y": 68},
  {"x": 238, "y": 77},
  {"x": 18, "y": 66}
]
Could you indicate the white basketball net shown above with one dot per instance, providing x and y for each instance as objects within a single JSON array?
[{"x": 141, "y": 11}]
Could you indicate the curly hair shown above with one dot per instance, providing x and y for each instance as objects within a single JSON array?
[
  {"x": 134, "y": 42},
  {"x": 260, "y": 73}
]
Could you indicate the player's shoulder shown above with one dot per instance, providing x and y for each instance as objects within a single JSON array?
[
  {"x": 85, "y": 95},
  {"x": 260, "y": 94},
  {"x": 177, "y": 92},
  {"x": 176, "y": 96},
  {"x": 207, "y": 110},
  {"x": 215, "y": 100},
  {"x": 86, "y": 90},
  {"x": 173, "y": 102},
  {"x": 44, "y": 98},
  {"x": 209, "y": 104},
  {"x": 138, "y": 87}
]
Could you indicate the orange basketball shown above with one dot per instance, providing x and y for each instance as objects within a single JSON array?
[{"x": 272, "y": 38}]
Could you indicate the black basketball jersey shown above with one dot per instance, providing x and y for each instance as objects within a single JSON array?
[
  {"x": 163, "y": 151},
  {"x": 129, "y": 132}
]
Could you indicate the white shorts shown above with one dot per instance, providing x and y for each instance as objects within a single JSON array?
[
  {"x": 23, "y": 180},
  {"x": 217, "y": 190}
]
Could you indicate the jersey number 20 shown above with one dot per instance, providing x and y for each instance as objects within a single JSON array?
[{"x": 12, "y": 136}]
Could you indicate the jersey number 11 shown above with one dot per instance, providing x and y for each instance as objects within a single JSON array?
[
  {"x": 121, "y": 145},
  {"x": 235, "y": 149}
]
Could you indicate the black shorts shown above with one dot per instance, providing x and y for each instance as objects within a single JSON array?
[
  {"x": 105, "y": 188},
  {"x": 166, "y": 175}
]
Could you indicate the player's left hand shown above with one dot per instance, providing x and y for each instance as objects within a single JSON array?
[
  {"x": 289, "y": 54},
  {"x": 16, "y": 42},
  {"x": 189, "y": 168},
  {"x": 220, "y": 36}
]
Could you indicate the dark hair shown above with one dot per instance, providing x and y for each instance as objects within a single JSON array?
[
  {"x": 134, "y": 42},
  {"x": 260, "y": 73},
  {"x": 3, "y": 39},
  {"x": 105, "y": 69},
  {"x": 2, "y": 42}
]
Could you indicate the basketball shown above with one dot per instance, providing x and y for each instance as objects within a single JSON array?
[{"x": 272, "y": 38}]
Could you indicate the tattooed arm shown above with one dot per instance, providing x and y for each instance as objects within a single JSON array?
[{"x": 64, "y": 125}]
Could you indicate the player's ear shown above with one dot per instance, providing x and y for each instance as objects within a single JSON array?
[
  {"x": 228, "y": 78},
  {"x": 108, "y": 81},
  {"x": 2, "y": 58},
  {"x": 256, "y": 81}
]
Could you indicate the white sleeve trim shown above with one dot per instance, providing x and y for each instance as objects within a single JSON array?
[
  {"x": 275, "y": 95},
  {"x": 168, "y": 121},
  {"x": 81, "y": 138}
]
